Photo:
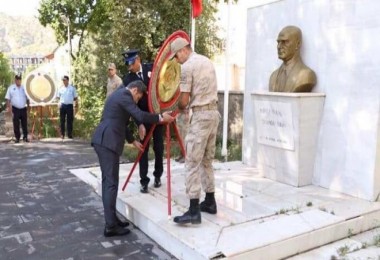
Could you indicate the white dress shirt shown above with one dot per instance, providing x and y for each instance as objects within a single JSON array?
[
  {"x": 17, "y": 96},
  {"x": 67, "y": 94}
]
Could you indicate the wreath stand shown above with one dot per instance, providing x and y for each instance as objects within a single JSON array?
[
  {"x": 39, "y": 112},
  {"x": 157, "y": 105},
  {"x": 168, "y": 145}
]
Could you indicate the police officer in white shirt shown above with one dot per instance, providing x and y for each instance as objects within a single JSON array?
[
  {"x": 17, "y": 102},
  {"x": 67, "y": 95}
]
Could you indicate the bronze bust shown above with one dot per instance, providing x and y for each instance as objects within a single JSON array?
[{"x": 293, "y": 75}]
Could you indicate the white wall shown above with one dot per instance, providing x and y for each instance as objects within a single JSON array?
[{"x": 341, "y": 44}]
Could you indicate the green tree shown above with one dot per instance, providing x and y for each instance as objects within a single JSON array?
[
  {"x": 130, "y": 23},
  {"x": 106, "y": 28},
  {"x": 82, "y": 16},
  {"x": 6, "y": 76}
]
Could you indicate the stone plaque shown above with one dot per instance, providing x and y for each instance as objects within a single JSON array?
[{"x": 274, "y": 124}]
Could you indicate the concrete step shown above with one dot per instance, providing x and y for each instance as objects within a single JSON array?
[{"x": 257, "y": 218}]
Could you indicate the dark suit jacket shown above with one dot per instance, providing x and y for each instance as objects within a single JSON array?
[
  {"x": 131, "y": 76},
  {"x": 112, "y": 129}
]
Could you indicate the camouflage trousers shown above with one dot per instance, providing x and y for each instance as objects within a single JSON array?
[
  {"x": 200, "y": 151},
  {"x": 183, "y": 124}
]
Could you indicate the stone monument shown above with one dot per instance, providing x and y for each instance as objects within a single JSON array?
[
  {"x": 293, "y": 75},
  {"x": 287, "y": 124},
  {"x": 341, "y": 45}
]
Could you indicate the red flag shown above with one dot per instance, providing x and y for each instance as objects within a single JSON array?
[{"x": 197, "y": 7}]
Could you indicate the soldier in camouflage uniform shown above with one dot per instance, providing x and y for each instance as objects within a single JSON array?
[{"x": 199, "y": 92}]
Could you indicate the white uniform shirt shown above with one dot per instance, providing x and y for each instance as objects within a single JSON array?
[
  {"x": 67, "y": 94},
  {"x": 17, "y": 96}
]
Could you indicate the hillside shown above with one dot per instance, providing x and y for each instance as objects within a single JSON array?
[{"x": 25, "y": 36}]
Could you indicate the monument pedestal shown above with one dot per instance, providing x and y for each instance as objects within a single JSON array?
[{"x": 286, "y": 132}]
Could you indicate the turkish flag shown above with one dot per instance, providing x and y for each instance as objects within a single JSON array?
[{"x": 197, "y": 7}]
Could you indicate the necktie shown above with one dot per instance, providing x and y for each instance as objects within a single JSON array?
[{"x": 140, "y": 75}]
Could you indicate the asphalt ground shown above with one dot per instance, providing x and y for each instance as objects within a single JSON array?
[{"x": 48, "y": 213}]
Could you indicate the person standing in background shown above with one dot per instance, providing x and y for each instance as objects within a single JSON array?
[
  {"x": 67, "y": 95},
  {"x": 142, "y": 71},
  {"x": 114, "y": 81},
  {"x": 17, "y": 103}
]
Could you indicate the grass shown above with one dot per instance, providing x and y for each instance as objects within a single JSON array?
[
  {"x": 376, "y": 240},
  {"x": 350, "y": 232},
  {"x": 234, "y": 150},
  {"x": 343, "y": 250},
  {"x": 295, "y": 210}
]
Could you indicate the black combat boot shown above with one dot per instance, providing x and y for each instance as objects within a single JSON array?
[
  {"x": 209, "y": 204},
  {"x": 193, "y": 215}
]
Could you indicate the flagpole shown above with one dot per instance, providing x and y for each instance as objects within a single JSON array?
[
  {"x": 227, "y": 84},
  {"x": 193, "y": 33}
]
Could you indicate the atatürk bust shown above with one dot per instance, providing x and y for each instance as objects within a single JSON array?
[{"x": 293, "y": 75}]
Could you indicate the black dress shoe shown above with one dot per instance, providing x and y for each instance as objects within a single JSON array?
[
  {"x": 122, "y": 223},
  {"x": 26, "y": 140},
  {"x": 188, "y": 217},
  {"x": 157, "y": 182},
  {"x": 17, "y": 141},
  {"x": 116, "y": 231},
  {"x": 144, "y": 188}
]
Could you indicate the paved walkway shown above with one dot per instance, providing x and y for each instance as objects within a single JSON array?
[{"x": 48, "y": 213}]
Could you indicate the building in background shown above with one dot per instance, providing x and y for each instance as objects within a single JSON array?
[{"x": 19, "y": 63}]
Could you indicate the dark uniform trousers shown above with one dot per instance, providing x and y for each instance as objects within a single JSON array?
[
  {"x": 158, "y": 148},
  {"x": 66, "y": 110},
  {"x": 158, "y": 143},
  {"x": 20, "y": 115},
  {"x": 109, "y": 165}
]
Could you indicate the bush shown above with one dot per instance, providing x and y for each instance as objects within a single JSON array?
[
  {"x": 234, "y": 152},
  {"x": 45, "y": 125},
  {"x": 48, "y": 129},
  {"x": 233, "y": 147}
]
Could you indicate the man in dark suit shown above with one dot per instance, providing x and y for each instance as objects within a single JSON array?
[
  {"x": 142, "y": 71},
  {"x": 108, "y": 142}
]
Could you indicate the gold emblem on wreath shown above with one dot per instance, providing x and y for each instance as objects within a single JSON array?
[
  {"x": 169, "y": 80},
  {"x": 40, "y": 87}
]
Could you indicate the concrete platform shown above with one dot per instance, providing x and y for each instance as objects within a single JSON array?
[{"x": 257, "y": 218}]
